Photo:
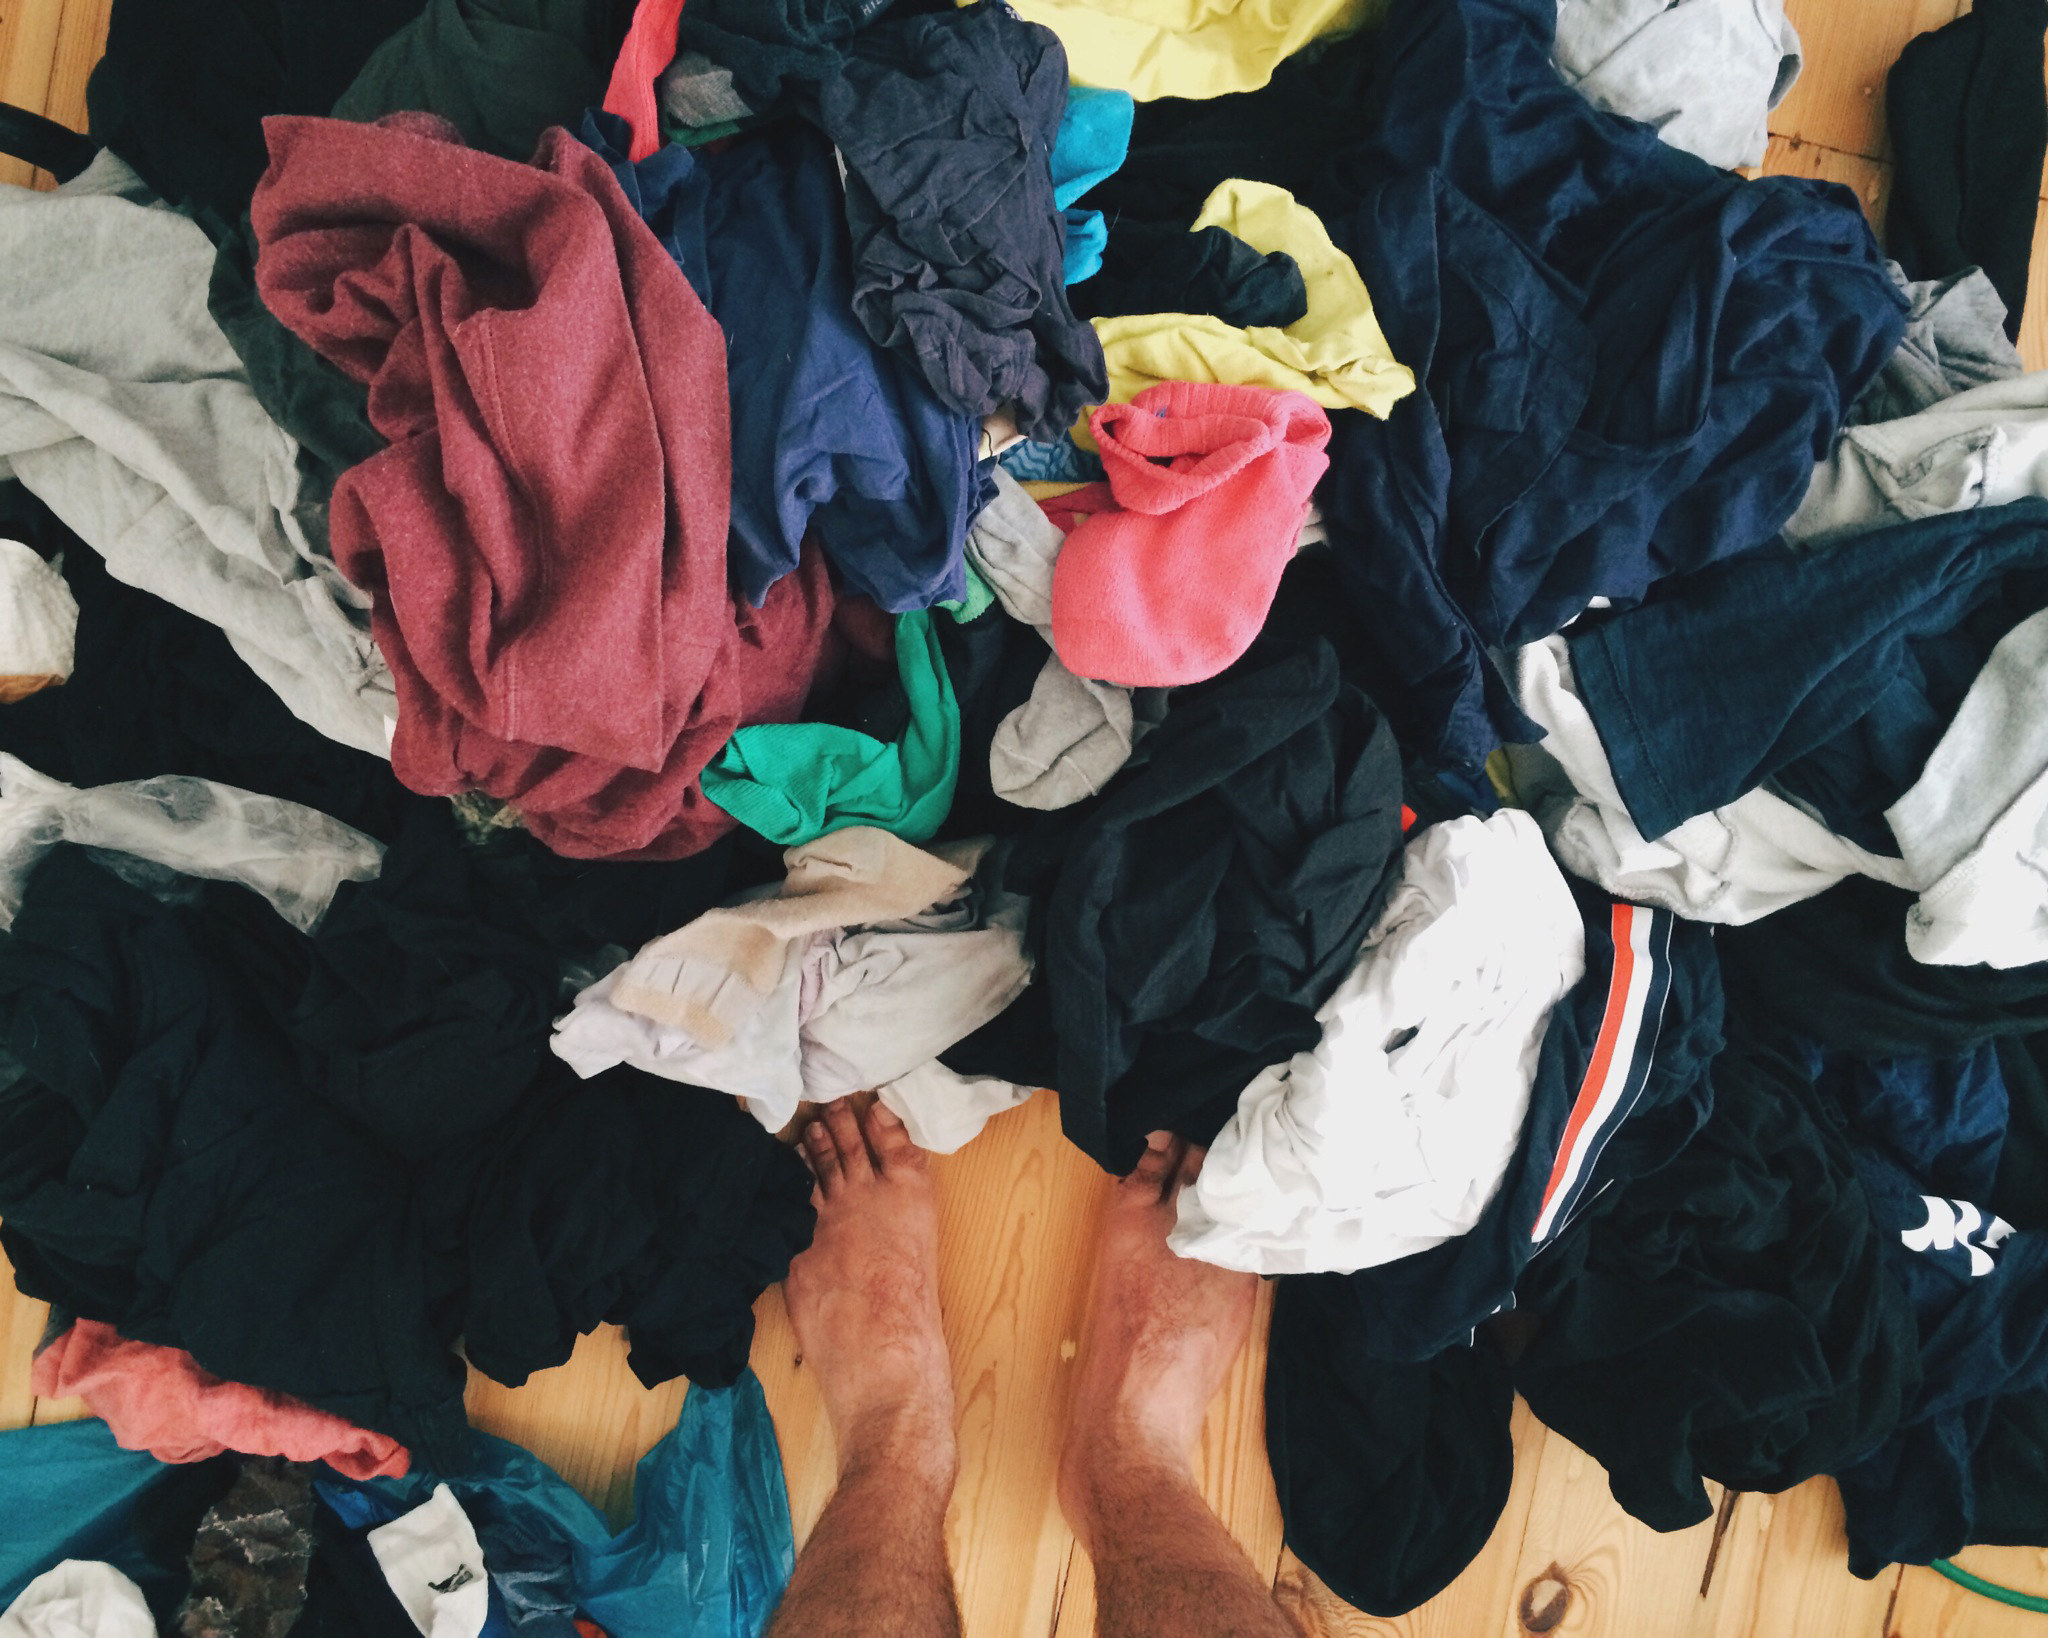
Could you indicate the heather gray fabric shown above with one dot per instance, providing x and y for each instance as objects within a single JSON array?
[
  {"x": 1983, "y": 447},
  {"x": 1068, "y": 740},
  {"x": 1955, "y": 340},
  {"x": 125, "y": 410},
  {"x": 1705, "y": 73}
]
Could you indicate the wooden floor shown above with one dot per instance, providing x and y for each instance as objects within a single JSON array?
[{"x": 1020, "y": 1208}]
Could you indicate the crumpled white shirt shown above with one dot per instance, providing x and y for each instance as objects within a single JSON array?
[
  {"x": 1394, "y": 1132},
  {"x": 1733, "y": 865},
  {"x": 80, "y": 1598},
  {"x": 832, "y": 1009}
]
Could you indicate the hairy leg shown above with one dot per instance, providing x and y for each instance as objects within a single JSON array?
[
  {"x": 1162, "y": 1333},
  {"x": 864, "y": 1301}
]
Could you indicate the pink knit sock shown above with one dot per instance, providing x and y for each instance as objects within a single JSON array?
[{"x": 1211, "y": 484}]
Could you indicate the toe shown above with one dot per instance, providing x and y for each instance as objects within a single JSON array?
[
  {"x": 889, "y": 1139},
  {"x": 822, "y": 1155},
  {"x": 1153, "y": 1174},
  {"x": 854, "y": 1162}
]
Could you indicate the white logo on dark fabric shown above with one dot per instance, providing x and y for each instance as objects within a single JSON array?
[{"x": 1956, "y": 1223}]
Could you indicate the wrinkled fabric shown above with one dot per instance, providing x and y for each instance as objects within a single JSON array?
[
  {"x": 1632, "y": 360},
  {"x": 1211, "y": 486},
  {"x": 1733, "y": 864},
  {"x": 1621, "y": 1085},
  {"x": 1837, "y": 970},
  {"x": 944, "y": 124},
  {"x": 183, "y": 87},
  {"x": 326, "y": 411},
  {"x": 1742, "y": 1292},
  {"x": 829, "y": 431},
  {"x": 516, "y": 1215},
  {"x": 1973, "y": 830},
  {"x": 251, "y": 1555},
  {"x": 160, "y": 1400},
  {"x": 1093, "y": 135},
  {"x": 944, "y": 1111},
  {"x": 1802, "y": 682},
  {"x": 129, "y": 415},
  {"x": 500, "y": 71},
  {"x": 1199, "y": 910},
  {"x": 649, "y": 47},
  {"x": 38, "y": 624},
  {"x": 1156, "y": 267},
  {"x": 1335, "y": 353},
  {"x": 1926, "y": 1138},
  {"x": 830, "y": 1007},
  {"x": 1984, "y": 447},
  {"x": 1955, "y": 340},
  {"x": 1705, "y": 74},
  {"x": 1069, "y": 739},
  {"x": 296, "y": 858},
  {"x": 79, "y": 1598},
  {"x": 1394, "y": 1132},
  {"x": 555, "y": 608},
  {"x": 1390, "y": 1476},
  {"x": 1968, "y": 122},
  {"x": 157, "y": 691},
  {"x": 1176, "y": 48},
  {"x": 771, "y": 47},
  {"x": 709, "y": 976},
  {"x": 797, "y": 781}
]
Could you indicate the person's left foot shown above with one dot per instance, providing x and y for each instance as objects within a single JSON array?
[{"x": 864, "y": 1299}]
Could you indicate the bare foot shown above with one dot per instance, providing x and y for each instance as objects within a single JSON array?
[
  {"x": 864, "y": 1299},
  {"x": 1162, "y": 1334}
]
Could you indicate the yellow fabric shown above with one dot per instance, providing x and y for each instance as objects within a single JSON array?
[
  {"x": 1500, "y": 773},
  {"x": 1334, "y": 353},
  {"x": 1045, "y": 489},
  {"x": 1187, "y": 48}
]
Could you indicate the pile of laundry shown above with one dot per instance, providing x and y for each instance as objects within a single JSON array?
[{"x": 582, "y": 576}]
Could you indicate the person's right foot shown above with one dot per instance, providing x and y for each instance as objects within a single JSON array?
[
  {"x": 864, "y": 1299},
  {"x": 1163, "y": 1331}
]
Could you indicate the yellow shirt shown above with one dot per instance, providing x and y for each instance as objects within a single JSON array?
[
  {"x": 1334, "y": 353},
  {"x": 1187, "y": 48}
]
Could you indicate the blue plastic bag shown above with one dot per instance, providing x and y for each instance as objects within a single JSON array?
[{"x": 707, "y": 1555}]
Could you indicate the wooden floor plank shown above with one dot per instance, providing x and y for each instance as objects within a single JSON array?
[
  {"x": 590, "y": 1420},
  {"x": 1931, "y": 1606},
  {"x": 1783, "y": 1568},
  {"x": 28, "y": 56},
  {"x": 1869, "y": 179},
  {"x": 1849, "y": 46},
  {"x": 21, "y": 1327}
]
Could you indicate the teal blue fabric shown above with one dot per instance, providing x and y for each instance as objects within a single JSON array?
[
  {"x": 796, "y": 781},
  {"x": 1094, "y": 136},
  {"x": 68, "y": 1491}
]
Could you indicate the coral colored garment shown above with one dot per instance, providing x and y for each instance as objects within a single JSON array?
[
  {"x": 545, "y": 538},
  {"x": 1211, "y": 485},
  {"x": 650, "y": 47},
  {"x": 159, "y": 1400}
]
